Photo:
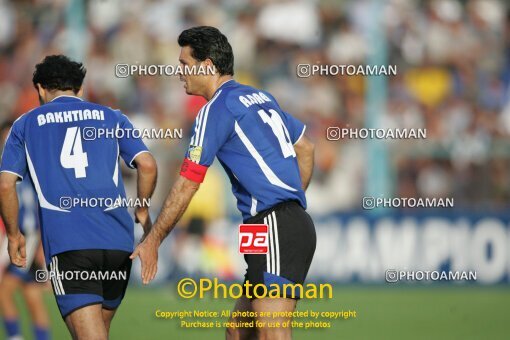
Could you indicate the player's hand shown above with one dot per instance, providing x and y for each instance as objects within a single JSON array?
[
  {"x": 17, "y": 250},
  {"x": 148, "y": 253}
]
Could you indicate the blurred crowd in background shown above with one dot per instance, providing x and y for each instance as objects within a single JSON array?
[{"x": 453, "y": 60}]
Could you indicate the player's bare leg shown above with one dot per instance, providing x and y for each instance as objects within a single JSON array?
[
  {"x": 108, "y": 315},
  {"x": 274, "y": 305},
  {"x": 87, "y": 323},
  {"x": 8, "y": 287},
  {"x": 243, "y": 304},
  {"x": 33, "y": 294}
]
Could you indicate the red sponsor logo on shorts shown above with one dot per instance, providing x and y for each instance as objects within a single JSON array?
[{"x": 253, "y": 239}]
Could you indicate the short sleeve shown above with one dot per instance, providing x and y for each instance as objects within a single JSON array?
[
  {"x": 129, "y": 146},
  {"x": 14, "y": 159},
  {"x": 213, "y": 126}
]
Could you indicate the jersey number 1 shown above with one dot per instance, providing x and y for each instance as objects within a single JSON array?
[
  {"x": 72, "y": 155},
  {"x": 280, "y": 131}
]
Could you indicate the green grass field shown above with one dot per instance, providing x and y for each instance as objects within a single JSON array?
[{"x": 444, "y": 312}]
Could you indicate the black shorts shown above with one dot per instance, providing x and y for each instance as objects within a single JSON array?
[
  {"x": 292, "y": 242},
  {"x": 86, "y": 277}
]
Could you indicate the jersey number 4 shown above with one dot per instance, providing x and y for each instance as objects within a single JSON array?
[
  {"x": 280, "y": 130},
  {"x": 72, "y": 155}
]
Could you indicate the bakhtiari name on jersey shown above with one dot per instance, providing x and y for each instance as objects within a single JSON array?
[{"x": 69, "y": 116}]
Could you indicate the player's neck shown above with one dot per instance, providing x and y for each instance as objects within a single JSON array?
[
  {"x": 55, "y": 94},
  {"x": 216, "y": 85}
]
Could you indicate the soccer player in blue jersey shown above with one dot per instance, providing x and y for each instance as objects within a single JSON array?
[
  {"x": 16, "y": 278},
  {"x": 87, "y": 247},
  {"x": 269, "y": 161}
]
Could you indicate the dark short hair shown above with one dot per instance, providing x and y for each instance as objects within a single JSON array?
[
  {"x": 209, "y": 42},
  {"x": 58, "y": 72}
]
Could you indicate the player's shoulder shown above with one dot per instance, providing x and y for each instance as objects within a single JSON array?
[
  {"x": 106, "y": 109},
  {"x": 219, "y": 103},
  {"x": 113, "y": 113},
  {"x": 19, "y": 123}
]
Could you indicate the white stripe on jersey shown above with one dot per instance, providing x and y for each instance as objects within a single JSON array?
[
  {"x": 198, "y": 122},
  {"x": 253, "y": 210},
  {"x": 201, "y": 122},
  {"x": 270, "y": 175},
  {"x": 42, "y": 200},
  {"x": 116, "y": 170},
  {"x": 201, "y": 140}
]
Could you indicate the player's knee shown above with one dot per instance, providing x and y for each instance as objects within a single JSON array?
[{"x": 7, "y": 292}]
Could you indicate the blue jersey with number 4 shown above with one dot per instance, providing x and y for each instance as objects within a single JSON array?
[
  {"x": 72, "y": 173},
  {"x": 253, "y": 139}
]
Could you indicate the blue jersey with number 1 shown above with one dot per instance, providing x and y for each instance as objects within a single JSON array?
[
  {"x": 253, "y": 138},
  {"x": 66, "y": 164}
]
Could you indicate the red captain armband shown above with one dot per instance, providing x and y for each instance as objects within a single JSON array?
[{"x": 193, "y": 171}]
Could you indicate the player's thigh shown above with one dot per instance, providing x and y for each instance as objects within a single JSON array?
[
  {"x": 33, "y": 295},
  {"x": 72, "y": 277},
  {"x": 241, "y": 312},
  {"x": 87, "y": 323},
  {"x": 33, "y": 291},
  {"x": 274, "y": 308},
  {"x": 4, "y": 254},
  {"x": 8, "y": 287}
]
